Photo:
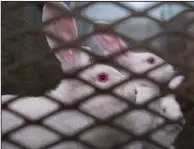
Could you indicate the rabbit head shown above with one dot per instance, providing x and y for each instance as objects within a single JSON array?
[
  {"x": 170, "y": 107},
  {"x": 166, "y": 106},
  {"x": 71, "y": 59},
  {"x": 137, "y": 62},
  {"x": 144, "y": 61},
  {"x": 140, "y": 62}
]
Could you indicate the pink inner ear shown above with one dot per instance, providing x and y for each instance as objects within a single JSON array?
[
  {"x": 66, "y": 29},
  {"x": 110, "y": 43}
]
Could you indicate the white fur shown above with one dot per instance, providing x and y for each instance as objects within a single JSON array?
[
  {"x": 175, "y": 82},
  {"x": 166, "y": 106},
  {"x": 68, "y": 121},
  {"x": 68, "y": 92},
  {"x": 142, "y": 121},
  {"x": 145, "y": 93},
  {"x": 137, "y": 62}
]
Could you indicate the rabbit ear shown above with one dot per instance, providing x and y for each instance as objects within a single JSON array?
[
  {"x": 109, "y": 42},
  {"x": 66, "y": 29}
]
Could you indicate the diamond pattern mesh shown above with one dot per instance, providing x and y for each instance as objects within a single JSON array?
[{"x": 93, "y": 117}]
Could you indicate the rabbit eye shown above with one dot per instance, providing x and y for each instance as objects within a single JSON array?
[
  {"x": 151, "y": 60},
  {"x": 103, "y": 77}
]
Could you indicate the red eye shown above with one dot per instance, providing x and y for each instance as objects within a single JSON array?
[
  {"x": 102, "y": 77},
  {"x": 151, "y": 60}
]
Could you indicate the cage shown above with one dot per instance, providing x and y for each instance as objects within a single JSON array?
[{"x": 46, "y": 105}]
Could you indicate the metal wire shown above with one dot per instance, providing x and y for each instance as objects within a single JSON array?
[{"x": 24, "y": 75}]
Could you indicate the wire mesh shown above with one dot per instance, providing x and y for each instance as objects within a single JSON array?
[{"x": 86, "y": 115}]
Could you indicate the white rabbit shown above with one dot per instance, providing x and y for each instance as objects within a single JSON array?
[
  {"x": 137, "y": 62},
  {"x": 68, "y": 91},
  {"x": 144, "y": 61},
  {"x": 68, "y": 121},
  {"x": 143, "y": 121}
]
